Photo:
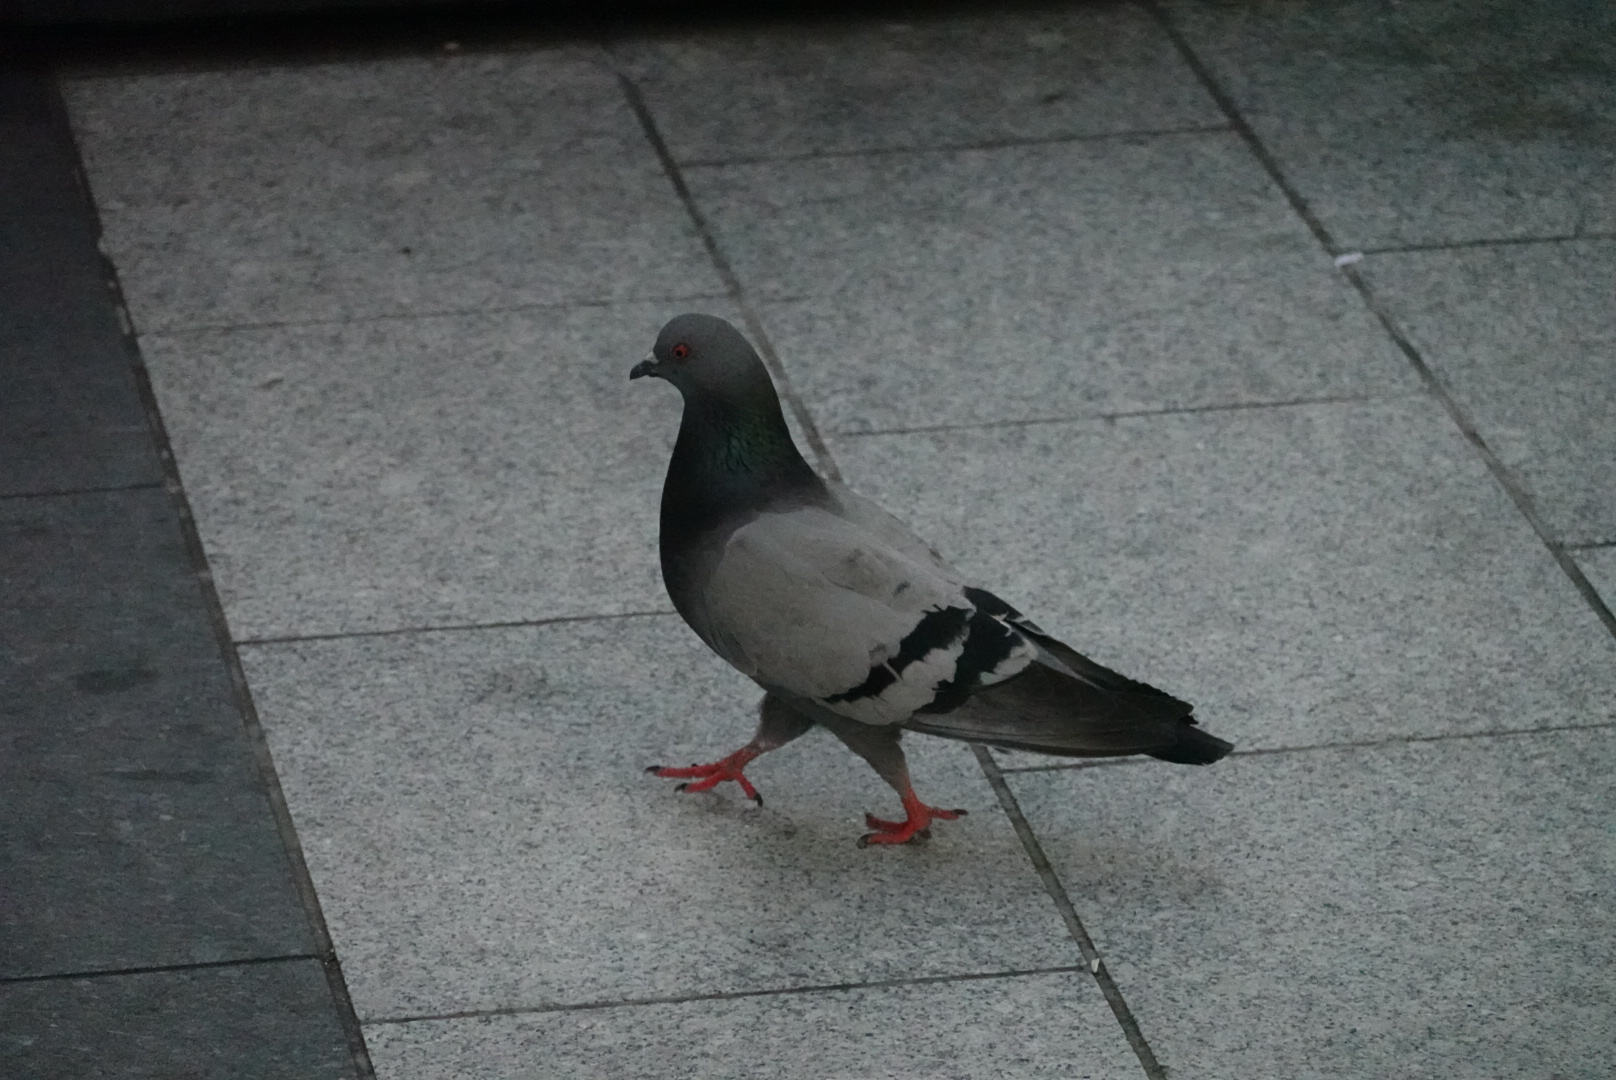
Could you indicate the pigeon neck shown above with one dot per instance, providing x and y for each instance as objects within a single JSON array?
[{"x": 730, "y": 459}]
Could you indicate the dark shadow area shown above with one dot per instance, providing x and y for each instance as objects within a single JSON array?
[{"x": 162, "y": 34}]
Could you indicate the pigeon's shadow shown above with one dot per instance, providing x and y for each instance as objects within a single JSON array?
[{"x": 967, "y": 898}]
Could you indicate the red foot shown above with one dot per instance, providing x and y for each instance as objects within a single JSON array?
[
  {"x": 716, "y": 773},
  {"x": 901, "y": 832}
]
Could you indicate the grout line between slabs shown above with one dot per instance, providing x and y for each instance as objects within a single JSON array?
[
  {"x": 1461, "y": 419},
  {"x": 197, "y": 557},
  {"x": 291, "y": 846},
  {"x": 990, "y": 769},
  {"x": 1074, "y": 925},
  {"x": 160, "y": 969},
  {"x": 954, "y": 148},
  {"x": 447, "y": 628},
  {"x": 415, "y": 316},
  {"x": 1237, "y": 122},
  {"x": 1460, "y": 245},
  {"x": 731, "y": 995},
  {"x": 69, "y": 492},
  {"x": 1128, "y": 414},
  {"x": 1363, "y": 744}
]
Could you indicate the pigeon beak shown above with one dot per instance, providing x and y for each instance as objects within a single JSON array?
[{"x": 644, "y": 367}]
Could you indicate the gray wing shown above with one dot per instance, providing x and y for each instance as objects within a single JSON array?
[
  {"x": 843, "y": 606},
  {"x": 883, "y": 527}
]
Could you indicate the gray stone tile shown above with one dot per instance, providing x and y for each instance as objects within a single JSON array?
[
  {"x": 908, "y": 290},
  {"x": 1427, "y": 122},
  {"x": 1434, "y": 909},
  {"x": 54, "y": 287},
  {"x": 400, "y": 186},
  {"x": 443, "y": 470},
  {"x": 1305, "y": 575},
  {"x": 136, "y": 832},
  {"x": 1600, "y": 566},
  {"x": 70, "y": 418},
  {"x": 69, "y": 415},
  {"x": 250, "y": 1022},
  {"x": 37, "y": 160},
  {"x": 72, "y": 432},
  {"x": 474, "y": 813},
  {"x": 1525, "y": 338},
  {"x": 739, "y": 92},
  {"x": 1054, "y": 1025}
]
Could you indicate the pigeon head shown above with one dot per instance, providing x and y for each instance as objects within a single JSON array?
[
  {"x": 709, "y": 360},
  {"x": 734, "y": 451}
]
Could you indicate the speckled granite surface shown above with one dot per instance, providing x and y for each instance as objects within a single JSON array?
[{"x": 1261, "y": 351}]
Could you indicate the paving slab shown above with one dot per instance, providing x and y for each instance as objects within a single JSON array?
[
  {"x": 72, "y": 431},
  {"x": 416, "y": 472},
  {"x": 251, "y": 1022},
  {"x": 58, "y": 304},
  {"x": 35, "y": 156},
  {"x": 475, "y": 815},
  {"x": 1439, "y": 121},
  {"x": 137, "y": 832},
  {"x": 402, "y": 186},
  {"x": 857, "y": 85},
  {"x": 1053, "y": 1025},
  {"x": 70, "y": 417},
  {"x": 1305, "y": 575},
  {"x": 909, "y": 290},
  {"x": 1425, "y": 910},
  {"x": 1524, "y": 337}
]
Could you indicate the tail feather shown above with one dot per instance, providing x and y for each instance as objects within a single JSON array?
[
  {"x": 1088, "y": 712},
  {"x": 1194, "y": 747}
]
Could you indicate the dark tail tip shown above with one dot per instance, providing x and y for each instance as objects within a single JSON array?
[{"x": 1194, "y": 747}]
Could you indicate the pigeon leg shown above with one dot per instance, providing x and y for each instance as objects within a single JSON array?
[
  {"x": 879, "y": 746},
  {"x": 777, "y": 725}
]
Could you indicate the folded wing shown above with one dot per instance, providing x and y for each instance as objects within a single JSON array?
[
  {"x": 843, "y": 607},
  {"x": 818, "y": 606}
]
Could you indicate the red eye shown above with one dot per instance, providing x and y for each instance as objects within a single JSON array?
[{"x": 680, "y": 351}]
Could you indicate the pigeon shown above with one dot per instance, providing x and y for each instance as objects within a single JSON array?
[{"x": 846, "y": 619}]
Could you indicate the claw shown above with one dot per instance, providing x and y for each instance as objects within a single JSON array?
[
  {"x": 917, "y": 824},
  {"x": 707, "y": 777}
]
